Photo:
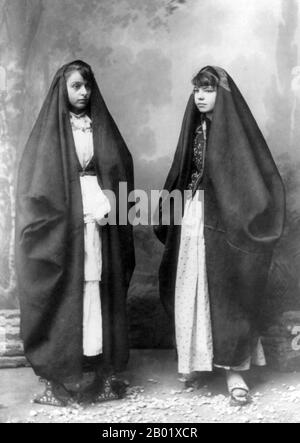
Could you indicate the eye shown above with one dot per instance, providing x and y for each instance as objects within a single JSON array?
[
  {"x": 76, "y": 85},
  {"x": 209, "y": 89}
]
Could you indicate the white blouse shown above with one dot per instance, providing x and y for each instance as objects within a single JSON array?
[
  {"x": 83, "y": 138},
  {"x": 95, "y": 204}
]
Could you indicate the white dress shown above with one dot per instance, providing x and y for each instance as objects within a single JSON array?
[
  {"x": 95, "y": 207},
  {"x": 192, "y": 309},
  {"x": 193, "y": 328}
]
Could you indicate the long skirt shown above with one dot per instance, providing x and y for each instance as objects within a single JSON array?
[
  {"x": 92, "y": 313},
  {"x": 95, "y": 206},
  {"x": 193, "y": 327}
]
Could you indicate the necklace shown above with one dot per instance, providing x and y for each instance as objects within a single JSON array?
[{"x": 81, "y": 122}]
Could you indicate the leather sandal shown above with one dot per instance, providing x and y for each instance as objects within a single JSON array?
[
  {"x": 239, "y": 400},
  {"x": 237, "y": 388}
]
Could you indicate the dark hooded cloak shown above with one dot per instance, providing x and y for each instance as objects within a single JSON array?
[
  {"x": 244, "y": 218},
  {"x": 50, "y": 239}
]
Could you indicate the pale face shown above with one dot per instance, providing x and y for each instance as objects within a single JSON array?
[
  {"x": 79, "y": 92},
  {"x": 205, "y": 99}
]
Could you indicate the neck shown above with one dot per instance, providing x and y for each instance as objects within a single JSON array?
[
  {"x": 209, "y": 115},
  {"x": 77, "y": 111}
]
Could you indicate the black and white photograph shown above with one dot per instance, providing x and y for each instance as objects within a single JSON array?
[{"x": 149, "y": 214}]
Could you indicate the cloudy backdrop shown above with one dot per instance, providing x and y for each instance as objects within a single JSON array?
[{"x": 144, "y": 54}]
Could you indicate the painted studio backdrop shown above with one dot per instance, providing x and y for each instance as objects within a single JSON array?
[{"x": 144, "y": 54}]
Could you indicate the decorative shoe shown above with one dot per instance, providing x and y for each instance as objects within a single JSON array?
[
  {"x": 50, "y": 396},
  {"x": 112, "y": 389}
]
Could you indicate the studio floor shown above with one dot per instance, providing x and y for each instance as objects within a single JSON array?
[{"x": 156, "y": 395}]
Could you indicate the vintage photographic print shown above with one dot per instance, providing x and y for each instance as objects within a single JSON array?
[{"x": 150, "y": 213}]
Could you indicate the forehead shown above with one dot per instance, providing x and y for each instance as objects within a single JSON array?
[
  {"x": 76, "y": 77},
  {"x": 204, "y": 87}
]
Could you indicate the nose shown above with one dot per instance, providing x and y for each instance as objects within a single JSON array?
[
  {"x": 200, "y": 95},
  {"x": 84, "y": 92}
]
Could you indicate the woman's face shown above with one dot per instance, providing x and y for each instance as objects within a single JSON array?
[
  {"x": 205, "y": 98},
  {"x": 79, "y": 92}
]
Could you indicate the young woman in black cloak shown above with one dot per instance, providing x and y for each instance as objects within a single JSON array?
[
  {"x": 73, "y": 271},
  {"x": 215, "y": 265}
]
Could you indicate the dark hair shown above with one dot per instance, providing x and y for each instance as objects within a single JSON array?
[
  {"x": 206, "y": 77},
  {"x": 84, "y": 69}
]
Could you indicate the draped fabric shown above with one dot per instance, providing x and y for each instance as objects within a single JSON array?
[
  {"x": 243, "y": 219},
  {"x": 50, "y": 239},
  {"x": 192, "y": 308}
]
